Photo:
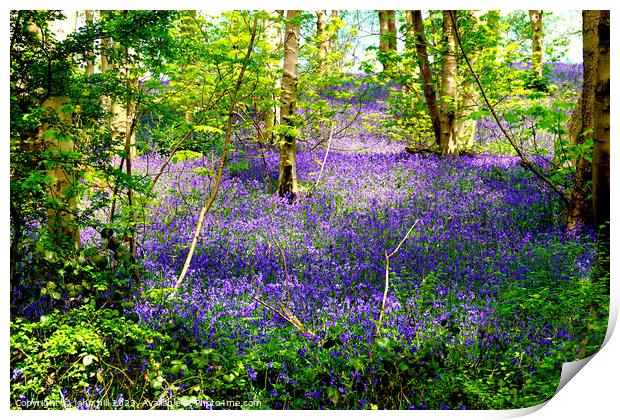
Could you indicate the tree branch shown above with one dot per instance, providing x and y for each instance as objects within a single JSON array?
[{"x": 220, "y": 172}]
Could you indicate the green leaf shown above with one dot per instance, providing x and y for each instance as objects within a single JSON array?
[
  {"x": 183, "y": 155},
  {"x": 208, "y": 129},
  {"x": 333, "y": 395}
]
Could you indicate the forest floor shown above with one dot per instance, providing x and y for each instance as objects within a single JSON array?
[{"x": 487, "y": 296}]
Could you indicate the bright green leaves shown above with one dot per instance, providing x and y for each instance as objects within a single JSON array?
[
  {"x": 208, "y": 129},
  {"x": 51, "y": 289},
  {"x": 185, "y": 155},
  {"x": 283, "y": 132}
]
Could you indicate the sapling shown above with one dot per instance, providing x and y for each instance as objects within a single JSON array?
[{"x": 387, "y": 275}]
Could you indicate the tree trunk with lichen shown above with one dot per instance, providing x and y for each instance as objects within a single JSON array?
[
  {"x": 537, "y": 41},
  {"x": 287, "y": 177}
]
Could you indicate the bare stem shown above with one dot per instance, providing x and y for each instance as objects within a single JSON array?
[
  {"x": 287, "y": 277},
  {"x": 287, "y": 315},
  {"x": 387, "y": 275},
  {"x": 329, "y": 142},
  {"x": 220, "y": 172}
]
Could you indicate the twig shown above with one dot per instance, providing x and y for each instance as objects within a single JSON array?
[
  {"x": 387, "y": 275},
  {"x": 329, "y": 142},
  {"x": 286, "y": 276},
  {"x": 288, "y": 316}
]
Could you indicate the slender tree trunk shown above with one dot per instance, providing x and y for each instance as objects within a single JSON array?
[
  {"x": 524, "y": 160},
  {"x": 121, "y": 113},
  {"x": 61, "y": 214},
  {"x": 601, "y": 157},
  {"x": 107, "y": 45},
  {"x": 130, "y": 116},
  {"x": 579, "y": 211},
  {"x": 466, "y": 127},
  {"x": 273, "y": 37},
  {"x": 123, "y": 121},
  {"x": 325, "y": 39},
  {"x": 187, "y": 27},
  {"x": 448, "y": 88},
  {"x": 537, "y": 41},
  {"x": 392, "y": 32},
  {"x": 322, "y": 41},
  {"x": 383, "y": 30},
  {"x": 109, "y": 104},
  {"x": 387, "y": 37},
  {"x": 415, "y": 20},
  {"x": 220, "y": 171},
  {"x": 124, "y": 114},
  {"x": 331, "y": 42},
  {"x": 90, "y": 61},
  {"x": 287, "y": 178}
]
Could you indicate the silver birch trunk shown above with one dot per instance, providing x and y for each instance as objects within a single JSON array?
[
  {"x": 537, "y": 41},
  {"x": 287, "y": 178},
  {"x": 448, "y": 88},
  {"x": 273, "y": 38}
]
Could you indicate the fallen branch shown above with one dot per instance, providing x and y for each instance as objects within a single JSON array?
[
  {"x": 286, "y": 315},
  {"x": 387, "y": 275}
]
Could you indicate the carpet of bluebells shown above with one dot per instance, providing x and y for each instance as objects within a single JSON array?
[
  {"x": 479, "y": 282},
  {"x": 487, "y": 296}
]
